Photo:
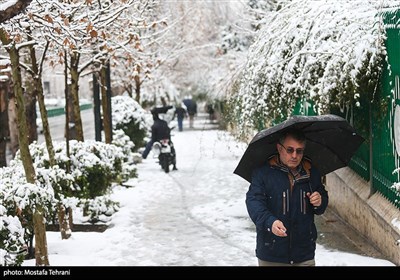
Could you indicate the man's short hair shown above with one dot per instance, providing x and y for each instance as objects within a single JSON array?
[{"x": 295, "y": 133}]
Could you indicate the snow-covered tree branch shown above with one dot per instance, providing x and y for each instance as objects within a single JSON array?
[
  {"x": 11, "y": 8},
  {"x": 328, "y": 52}
]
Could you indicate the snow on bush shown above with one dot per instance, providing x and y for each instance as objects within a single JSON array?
[
  {"x": 19, "y": 196},
  {"x": 129, "y": 116},
  {"x": 99, "y": 209},
  {"x": 93, "y": 166},
  {"x": 120, "y": 139},
  {"x": 12, "y": 243},
  {"x": 22, "y": 198},
  {"x": 125, "y": 109}
]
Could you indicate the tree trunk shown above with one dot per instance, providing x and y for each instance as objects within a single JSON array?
[
  {"x": 75, "y": 96},
  {"x": 13, "y": 124},
  {"x": 37, "y": 81},
  {"x": 30, "y": 111},
  {"x": 137, "y": 87},
  {"x": 104, "y": 104},
  {"x": 129, "y": 90},
  {"x": 41, "y": 254},
  {"x": 38, "y": 219},
  {"x": 3, "y": 123},
  {"x": 67, "y": 118},
  {"x": 63, "y": 221}
]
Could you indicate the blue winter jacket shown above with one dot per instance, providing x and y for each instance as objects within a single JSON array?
[{"x": 269, "y": 198}]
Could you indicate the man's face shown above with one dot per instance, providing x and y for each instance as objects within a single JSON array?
[{"x": 290, "y": 152}]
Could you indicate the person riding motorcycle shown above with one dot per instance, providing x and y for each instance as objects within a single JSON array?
[{"x": 159, "y": 130}]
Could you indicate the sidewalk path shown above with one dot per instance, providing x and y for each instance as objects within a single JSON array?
[{"x": 195, "y": 216}]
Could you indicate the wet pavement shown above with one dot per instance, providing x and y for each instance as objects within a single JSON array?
[{"x": 335, "y": 233}]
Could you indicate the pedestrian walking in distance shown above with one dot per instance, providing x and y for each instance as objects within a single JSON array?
[{"x": 180, "y": 114}]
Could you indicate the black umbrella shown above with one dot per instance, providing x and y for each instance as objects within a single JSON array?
[
  {"x": 191, "y": 105},
  {"x": 331, "y": 142},
  {"x": 161, "y": 110}
]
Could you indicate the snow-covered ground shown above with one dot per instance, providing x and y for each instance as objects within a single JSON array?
[{"x": 195, "y": 216}]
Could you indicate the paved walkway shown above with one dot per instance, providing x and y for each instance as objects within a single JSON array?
[{"x": 336, "y": 234}]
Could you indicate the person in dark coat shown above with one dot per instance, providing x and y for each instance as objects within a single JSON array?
[
  {"x": 191, "y": 107},
  {"x": 159, "y": 130},
  {"x": 180, "y": 114},
  {"x": 283, "y": 197}
]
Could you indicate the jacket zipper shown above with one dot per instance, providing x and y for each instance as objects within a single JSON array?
[
  {"x": 287, "y": 201},
  {"x": 284, "y": 203}
]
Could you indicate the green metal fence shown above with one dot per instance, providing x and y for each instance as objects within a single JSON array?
[
  {"x": 383, "y": 115},
  {"x": 53, "y": 112},
  {"x": 379, "y": 121},
  {"x": 385, "y": 130}
]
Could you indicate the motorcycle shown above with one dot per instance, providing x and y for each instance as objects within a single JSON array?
[{"x": 163, "y": 149}]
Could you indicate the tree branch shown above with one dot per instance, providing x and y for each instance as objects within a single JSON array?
[{"x": 11, "y": 11}]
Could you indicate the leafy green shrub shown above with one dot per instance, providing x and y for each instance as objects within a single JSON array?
[
  {"x": 12, "y": 243},
  {"x": 130, "y": 117},
  {"x": 99, "y": 209}
]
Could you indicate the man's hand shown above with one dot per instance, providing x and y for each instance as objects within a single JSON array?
[
  {"x": 315, "y": 199},
  {"x": 279, "y": 229}
]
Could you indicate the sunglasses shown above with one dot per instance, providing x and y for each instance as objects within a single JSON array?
[{"x": 291, "y": 150}]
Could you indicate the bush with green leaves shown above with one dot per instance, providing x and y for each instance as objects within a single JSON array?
[
  {"x": 99, "y": 209},
  {"x": 17, "y": 196},
  {"x": 120, "y": 139},
  {"x": 12, "y": 243},
  {"x": 93, "y": 167},
  {"x": 130, "y": 117}
]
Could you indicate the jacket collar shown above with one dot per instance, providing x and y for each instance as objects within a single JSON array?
[{"x": 303, "y": 170}]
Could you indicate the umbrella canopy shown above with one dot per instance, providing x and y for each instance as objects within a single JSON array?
[
  {"x": 331, "y": 142},
  {"x": 161, "y": 110},
  {"x": 188, "y": 102}
]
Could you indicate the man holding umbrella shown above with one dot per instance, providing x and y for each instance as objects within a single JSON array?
[
  {"x": 284, "y": 164},
  {"x": 283, "y": 197}
]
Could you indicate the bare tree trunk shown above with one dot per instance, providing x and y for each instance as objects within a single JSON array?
[
  {"x": 63, "y": 221},
  {"x": 104, "y": 105},
  {"x": 67, "y": 110},
  {"x": 137, "y": 86},
  {"x": 38, "y": 218},
  {"x": 12, "y": 124},
  {"x": 129, "y": 90},
  {"x": 3, "y": 122},
  {"x": 30, "y": 111},
  {"x": 75, "y": 96},
  {"x": 37, "y": 80},
  {"x": 41, "y": 254}
]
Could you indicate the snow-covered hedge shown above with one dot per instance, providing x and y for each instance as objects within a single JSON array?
[
  {"x": 93, "y": 167},
  {"x": 330, "y": 52},
  {"x": 99, "y": 209},
  {"x": 121, "y": 140},
  {"x": 129, "y": 116},
  {"x": 12, "y": 243},
  {"x": 19, "y": 196}
]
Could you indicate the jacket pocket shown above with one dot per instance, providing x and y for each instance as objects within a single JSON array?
[{"x": 270, "y": 244}]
